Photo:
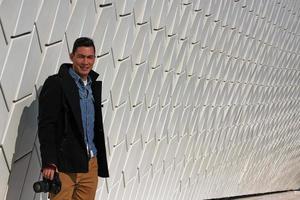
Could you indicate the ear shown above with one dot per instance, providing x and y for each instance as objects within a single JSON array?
[{"x": 71, "y": 55}]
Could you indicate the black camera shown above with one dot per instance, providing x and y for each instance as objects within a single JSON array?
[{"x": 46, "y": 185}]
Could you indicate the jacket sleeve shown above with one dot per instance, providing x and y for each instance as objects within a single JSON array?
[{"x": 49, "y": 109}]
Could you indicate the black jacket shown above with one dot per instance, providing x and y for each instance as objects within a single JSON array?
[{"x": 60, "y": 128}]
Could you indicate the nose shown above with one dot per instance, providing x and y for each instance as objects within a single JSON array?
[{"x": 85, "y": 61}]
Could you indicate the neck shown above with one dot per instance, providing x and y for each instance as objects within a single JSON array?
[{"x": 84, "y": 78}]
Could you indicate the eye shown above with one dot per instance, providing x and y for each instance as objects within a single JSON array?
[
  {"x": 80, "y": 56},
  {"x": 91, "y": 57}
]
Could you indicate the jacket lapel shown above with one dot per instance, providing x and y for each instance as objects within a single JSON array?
[
  {"x": 72, "y": 96},
  {"x": 96, "y": 88}
]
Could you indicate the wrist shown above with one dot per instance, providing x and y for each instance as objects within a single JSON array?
[{"x": 50, "y": 166}]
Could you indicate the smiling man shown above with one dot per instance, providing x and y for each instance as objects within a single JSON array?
[{"x": 70, "y": 126}]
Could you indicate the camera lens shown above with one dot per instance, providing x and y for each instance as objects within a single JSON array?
[{"x": 37, "y": 187}]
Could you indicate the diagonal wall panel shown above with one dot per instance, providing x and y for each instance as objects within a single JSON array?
[
  {"x": 14, "y": 68},
  {"x": 4, "y": 176}
]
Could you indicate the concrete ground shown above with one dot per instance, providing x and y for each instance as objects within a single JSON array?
[{"x": 295, "y": 195}]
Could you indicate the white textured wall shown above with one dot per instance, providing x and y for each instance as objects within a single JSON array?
[{"x": 201, "y": 97}]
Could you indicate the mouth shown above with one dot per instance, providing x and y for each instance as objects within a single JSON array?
[{"x": 84, "y": 68}]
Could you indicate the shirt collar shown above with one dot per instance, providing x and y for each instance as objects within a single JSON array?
[{"x": 76, "y": 77}]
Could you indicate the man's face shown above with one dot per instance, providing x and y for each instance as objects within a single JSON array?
[{"x": 83, "y": 60}]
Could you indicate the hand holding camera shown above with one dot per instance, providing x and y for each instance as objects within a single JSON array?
[{"x": 50, "y": 184}]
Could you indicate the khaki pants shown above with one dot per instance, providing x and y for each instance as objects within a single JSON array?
[{"x": 78, "y": 186}]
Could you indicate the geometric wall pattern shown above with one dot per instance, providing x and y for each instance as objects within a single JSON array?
[{"x": 201, "y": 98}]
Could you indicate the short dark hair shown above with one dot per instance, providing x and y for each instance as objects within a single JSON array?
[{"x": 83, "y": 42}]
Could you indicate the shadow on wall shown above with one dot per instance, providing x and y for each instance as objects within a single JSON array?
[{"x": 26, "y": 164}]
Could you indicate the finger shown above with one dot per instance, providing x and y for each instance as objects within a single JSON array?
[
  {"x": 51, "y": 175},
  {"x": 47, "y": 173}
]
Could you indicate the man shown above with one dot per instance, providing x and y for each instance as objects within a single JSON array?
[{"x": 70, "y": 126}]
